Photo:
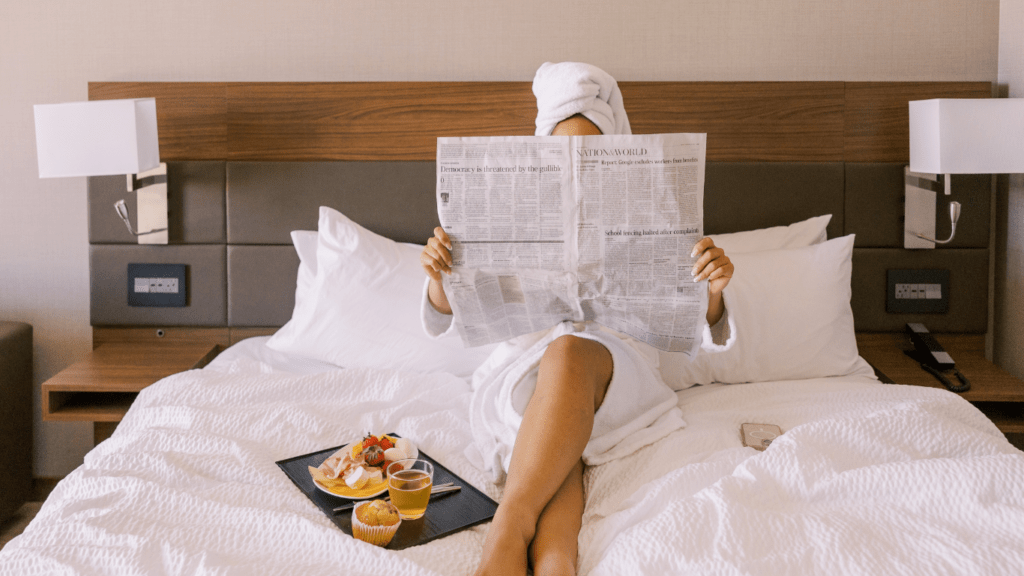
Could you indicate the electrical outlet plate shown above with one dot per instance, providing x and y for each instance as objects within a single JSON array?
[
  {"x": 917, "y": 291},
  {"x": 161, "y": 285}
]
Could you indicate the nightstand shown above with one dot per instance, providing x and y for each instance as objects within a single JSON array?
[
  {"x": 101, "y": 387},
  {"x": 994, "y": 391}
]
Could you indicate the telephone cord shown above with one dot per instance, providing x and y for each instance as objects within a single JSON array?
[{"x": 964, "y": 386}]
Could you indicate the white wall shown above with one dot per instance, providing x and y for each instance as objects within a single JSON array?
[
  {"x": 50, "y": 49},
  {"x": 1008, "y": 331}
]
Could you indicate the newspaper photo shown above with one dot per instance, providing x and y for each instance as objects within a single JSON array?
[{"x": 547, "y": 229}]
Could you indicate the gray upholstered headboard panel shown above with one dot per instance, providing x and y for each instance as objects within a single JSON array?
[
  {"x": 230, "y": 222},
  {"x": 267, "y": 200}
]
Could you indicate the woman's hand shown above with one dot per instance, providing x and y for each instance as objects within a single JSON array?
[
  {"x": 712, "y": 265},
  {"x": 435, "y": 259},
  {"x": 436, "y": 256},
  {"x": 715, "y": 267}
]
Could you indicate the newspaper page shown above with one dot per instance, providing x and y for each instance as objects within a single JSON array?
[{"x": 547, "y": 229}]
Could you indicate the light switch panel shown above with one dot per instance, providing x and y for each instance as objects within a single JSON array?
[{"x": 157, "y": 285}]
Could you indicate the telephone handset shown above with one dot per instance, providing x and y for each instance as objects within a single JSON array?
[{"x": 933, "y": 358}]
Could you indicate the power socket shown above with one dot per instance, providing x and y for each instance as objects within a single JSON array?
[
  {"x": 160, "y": 285},
  {"x": 917, "y": 291},
  {"x": 156, "y": 285}
]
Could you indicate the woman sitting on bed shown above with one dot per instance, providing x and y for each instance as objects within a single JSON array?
[{"x": 579, "y": 394}]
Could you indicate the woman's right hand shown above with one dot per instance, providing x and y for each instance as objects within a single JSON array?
[{"x": 435, "y": 259}]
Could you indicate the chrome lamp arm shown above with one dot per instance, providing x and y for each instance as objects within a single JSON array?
[
  {"x": 954, "y": 216},
  {"x": 122, "y": 211}
]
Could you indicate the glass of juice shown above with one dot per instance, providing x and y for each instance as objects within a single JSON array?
[{"x": 409, "y": 483}]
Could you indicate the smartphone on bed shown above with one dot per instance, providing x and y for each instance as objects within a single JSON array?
[{"x": 759, "y": 436}]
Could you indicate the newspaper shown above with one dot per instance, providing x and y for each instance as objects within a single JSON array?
[{"x": 546, "y": 229}]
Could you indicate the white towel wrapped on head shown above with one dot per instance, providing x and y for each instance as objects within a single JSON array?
[{"x": 568, "y": 88}]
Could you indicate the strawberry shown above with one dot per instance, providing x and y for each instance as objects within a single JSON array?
[
  {"x": 386, "y": 443},
  {"x": 373, "y": 455},
  {"x": 370, "y": 440},
  {"x": 386, "y": 464}
]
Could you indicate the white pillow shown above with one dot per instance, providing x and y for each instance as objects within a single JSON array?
[
  {"x": 797, "y": 235},
  {"x": 791, "y": 311},
  {"x": 363, "y": 308},
  {"x": 680, "y": 371},
  {"x": 305, "y": 242}
]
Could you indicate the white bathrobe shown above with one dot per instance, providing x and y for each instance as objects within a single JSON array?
[{"x": 638, "y": 408}]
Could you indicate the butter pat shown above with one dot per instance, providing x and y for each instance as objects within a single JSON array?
[{"x": 357, "y": 477}]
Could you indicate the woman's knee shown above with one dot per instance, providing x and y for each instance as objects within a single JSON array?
[{"x": 572, "y": 357}]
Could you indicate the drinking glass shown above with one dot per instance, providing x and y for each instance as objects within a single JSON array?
[{"x": 409, "y": 484}]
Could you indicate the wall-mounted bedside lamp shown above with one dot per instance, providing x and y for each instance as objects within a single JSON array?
[
  {"x": 957, "y": 136},
  {"x": 108, "y": 137}
]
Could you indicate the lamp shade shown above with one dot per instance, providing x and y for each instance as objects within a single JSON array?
[
  {"x": 967, "y": 136},
  {"x": 97, "y": 138}
]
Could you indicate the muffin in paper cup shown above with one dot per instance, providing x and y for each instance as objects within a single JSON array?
[{"x": 375, "y": 522}]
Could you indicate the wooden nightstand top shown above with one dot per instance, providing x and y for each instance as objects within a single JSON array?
[
  {"x": 101, "y": 386},
  {"x": 995, "y": 391}
]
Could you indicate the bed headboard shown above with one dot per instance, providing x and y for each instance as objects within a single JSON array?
[{"x": 249, "y": 162}]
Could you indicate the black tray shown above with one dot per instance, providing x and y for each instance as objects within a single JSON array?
[{"x": 445, "y": 514}]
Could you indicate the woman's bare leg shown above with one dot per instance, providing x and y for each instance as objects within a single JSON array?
[
  {"x": 555, "y": 546},
  {"x": 573, "y": 376}
]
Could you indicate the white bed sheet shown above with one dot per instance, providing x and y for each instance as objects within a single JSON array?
[{"x": 868, "y": 478}]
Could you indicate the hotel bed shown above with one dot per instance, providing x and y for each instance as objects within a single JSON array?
[{"x": 867, "y": 478}]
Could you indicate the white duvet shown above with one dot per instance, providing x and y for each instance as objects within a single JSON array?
[{"x": 867, "y": 479}]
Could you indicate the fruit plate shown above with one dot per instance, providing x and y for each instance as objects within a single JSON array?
[
  {"x": 467, "y": 507},
  {"x": 354, "y": 493},
  {"x": 342, "y": 490}
]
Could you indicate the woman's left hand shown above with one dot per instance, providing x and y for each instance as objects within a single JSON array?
[
  {"x": 715, "y": 267},
  {"x": 712, "y": 265}
]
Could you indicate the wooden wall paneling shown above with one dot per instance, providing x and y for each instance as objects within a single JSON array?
[
  {"x": 369, "y": 120},
  {"x": 876, "y": 117},
  {"x": 745, "y": 121},
  {"x": 192, "y": 116}
]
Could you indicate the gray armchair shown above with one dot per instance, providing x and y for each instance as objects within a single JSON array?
[{"x": 15, "y": 416}]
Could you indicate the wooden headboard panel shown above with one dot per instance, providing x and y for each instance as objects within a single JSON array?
[
  {"x": 745, "y": 121},
  {"x": 857, "y": 132}
]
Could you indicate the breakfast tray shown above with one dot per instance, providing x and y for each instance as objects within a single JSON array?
[{"x": 445, "y": 515}]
